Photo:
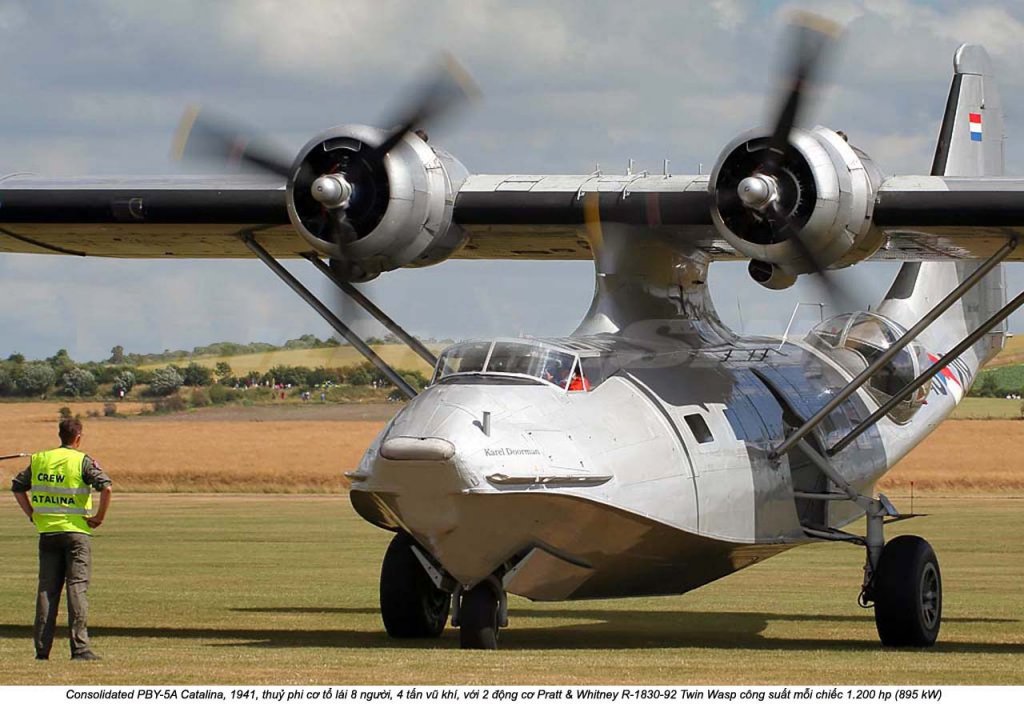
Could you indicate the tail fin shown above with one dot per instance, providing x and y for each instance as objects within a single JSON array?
[
  {"x": 970, "y": 144},
  {"x": 971, "y": 136}
]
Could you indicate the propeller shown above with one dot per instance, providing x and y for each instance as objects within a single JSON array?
[
  {"x": 337, "y": 185},
  {"x": 204, "y": 136},
  {"x": 811, "y": 39},
  {"x": 776, "y": 189},
  {"x": 448, "y": 88}
]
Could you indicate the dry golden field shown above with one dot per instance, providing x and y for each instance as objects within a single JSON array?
[
  {"x": 398, "y": 356},
  {"x": 307, "y": 448},
  {"x": 1012, "y": 353},
  {"x": 288, "y": 449}
]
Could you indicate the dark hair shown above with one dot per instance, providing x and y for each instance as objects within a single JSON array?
[{"x": 69, "y": 429}]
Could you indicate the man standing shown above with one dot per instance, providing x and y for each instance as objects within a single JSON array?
[{"x": 60, "y": 506}]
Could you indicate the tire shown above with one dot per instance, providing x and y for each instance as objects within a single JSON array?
[
  {"x": 478, "y": 619},
  {"x": 908, "y": 593},
  {"x": 410, "y": 605}
]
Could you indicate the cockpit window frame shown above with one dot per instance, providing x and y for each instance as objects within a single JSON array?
[
  {"x": 904, "y": 367},
  {"x": 572, "y": 361}
]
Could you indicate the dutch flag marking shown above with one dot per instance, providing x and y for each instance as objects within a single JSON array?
[{"x": 974, "y": 120}]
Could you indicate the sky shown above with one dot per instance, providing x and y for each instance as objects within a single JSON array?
[{"x": 98, "y": 87}]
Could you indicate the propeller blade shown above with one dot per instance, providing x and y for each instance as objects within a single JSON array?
[
  {"x": 339, "y": 229},
  {"x": 447, "y": 90},
  {"x": 785, "y": 229},
  {"x": 811, "y": 39},
  {"x": 218, "y": 140}
]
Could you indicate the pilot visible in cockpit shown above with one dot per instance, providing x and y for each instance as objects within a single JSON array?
[
  {"x": 579, "y": 382},
  {"x": 555, "y": 372}
]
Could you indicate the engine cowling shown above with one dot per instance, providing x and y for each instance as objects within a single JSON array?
[
  {"x": 399, "y": 212},
  {"x": 824, "y": 187}
]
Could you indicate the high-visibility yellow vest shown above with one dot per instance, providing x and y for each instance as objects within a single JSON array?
[{"x": 61, "y": 499}]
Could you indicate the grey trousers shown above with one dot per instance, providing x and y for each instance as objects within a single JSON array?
[{"x": 64, "y": 559}]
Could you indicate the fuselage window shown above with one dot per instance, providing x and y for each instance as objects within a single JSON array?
[{"x": 699, "y": 428}]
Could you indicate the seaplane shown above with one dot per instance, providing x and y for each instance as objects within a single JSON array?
[{"x": 652, "y": 450}]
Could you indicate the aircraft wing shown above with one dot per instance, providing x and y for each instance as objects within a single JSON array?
[
  {"x": 505, "y": 217},
  {"x": 924, "y": 217},
  {"x": 184, "y": 216}
]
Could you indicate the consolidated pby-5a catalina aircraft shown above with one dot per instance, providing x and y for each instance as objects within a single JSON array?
[{"x": 653, "y": 450}]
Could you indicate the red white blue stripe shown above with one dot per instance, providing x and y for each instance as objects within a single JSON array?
[
  {"x": 974, "y": 120},
  {"x": 946, "y": 381}
]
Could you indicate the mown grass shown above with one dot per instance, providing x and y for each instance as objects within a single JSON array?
[
  {"x": 229, "y": 589},
  {"x": 398, "y": 356},
  {"x": 975, "y": 408}
]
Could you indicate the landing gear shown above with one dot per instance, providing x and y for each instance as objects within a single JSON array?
[
  {"x": 479, "y": 617},
  {"x": 410, "y": 604},
  {"x": 907, "y": 591},
  {"x": 901, "y": 577}
]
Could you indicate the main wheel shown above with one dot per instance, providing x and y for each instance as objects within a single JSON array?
[
  {"x": 908, "y": 593},
  {"x": 410, "y": 605},
  {"x": 478, "y": 619}
]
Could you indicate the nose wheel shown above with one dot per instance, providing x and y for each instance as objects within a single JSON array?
[{"x": 479, "y": 618}]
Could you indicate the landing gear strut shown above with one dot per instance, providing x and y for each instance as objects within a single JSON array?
[
  {"x": 903, "y": 581},
  {"x": 411, "y": 605},
  {"x": 901, "y": 577}
]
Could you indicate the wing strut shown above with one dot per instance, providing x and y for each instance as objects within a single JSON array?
[
  {"x": 383, "y": 318},
  {"x": 862, "y": 378},
  {"x": 325, "y": 312}
]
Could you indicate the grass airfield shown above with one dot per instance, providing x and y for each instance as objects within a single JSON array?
[{"x": 257, "y": 589}]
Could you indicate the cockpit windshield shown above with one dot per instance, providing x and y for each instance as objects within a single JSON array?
[{"x": 520, "y": 359}]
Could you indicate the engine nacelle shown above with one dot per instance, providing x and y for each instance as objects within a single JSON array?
[
  {"x": 400, "y": 209},
  {"x": 825, "y": 187}
]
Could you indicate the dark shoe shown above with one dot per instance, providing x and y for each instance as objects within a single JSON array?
[
  {"x": 42, "y": 656},
  {"x": 87, "y": 655}
]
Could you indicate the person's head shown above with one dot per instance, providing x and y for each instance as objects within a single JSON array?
[{"x": 70, "y": 430}]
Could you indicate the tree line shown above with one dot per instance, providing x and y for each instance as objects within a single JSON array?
[
  {"x": 62, "y": 376},
  {"x": 118, "y": 356}
]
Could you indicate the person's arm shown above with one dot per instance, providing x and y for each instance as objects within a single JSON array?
[
  {"x": 95, "y": 477},
  {"x": 26, "y": 505},
  {"x": 21, "y": 484},
  {"x": 97, "y": 520}
]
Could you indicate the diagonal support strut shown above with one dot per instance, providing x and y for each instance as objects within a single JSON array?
[
  {"x": 325, "y": 313},
  {"x": 366, "y": 304}
]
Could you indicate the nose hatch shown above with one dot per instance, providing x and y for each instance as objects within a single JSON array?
[{"x": 421, "y": 449}]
